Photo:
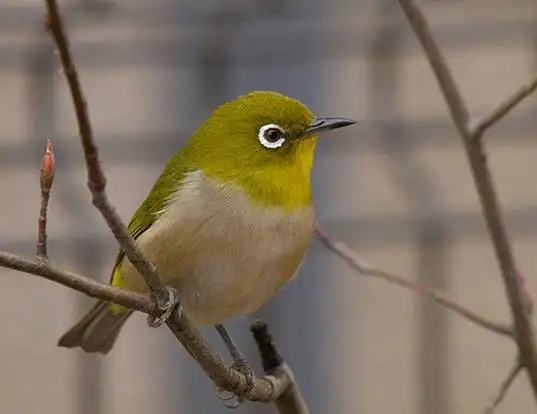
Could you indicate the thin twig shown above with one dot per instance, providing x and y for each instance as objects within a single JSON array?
[
  {"x": 96, "y": 178},
  {"x": 265, "y": 389},
  {"x": 456, "y": 106},
  {"x": 518, "y": 366},
  {"x": 79, "y": 283},
  {"x": 46, "y": 178},
  {"x": 291, "y": 401},
  {"x": 482, "y": 124},
  {"x": 504, "y": 387},
  {"x": 347, "y": 254},
  {"x": 487, "y": 194}
]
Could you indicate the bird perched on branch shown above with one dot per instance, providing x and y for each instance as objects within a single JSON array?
[{"x": 229, "y": 220}]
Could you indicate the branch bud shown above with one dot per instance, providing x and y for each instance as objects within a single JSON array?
[{"x": 48, "y": 166}]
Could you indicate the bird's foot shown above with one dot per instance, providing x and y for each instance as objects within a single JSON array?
[
  {"x": 230, "y": 399},
  {"x": 166, "y": 308}
]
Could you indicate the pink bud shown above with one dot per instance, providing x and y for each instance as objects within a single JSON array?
[{"x": 48, "y": 165}]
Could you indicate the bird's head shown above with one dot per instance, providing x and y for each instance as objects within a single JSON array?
[{"x": 265, "y": 142}]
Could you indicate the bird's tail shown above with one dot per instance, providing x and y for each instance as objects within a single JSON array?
[{"x": 97, "y": 330}]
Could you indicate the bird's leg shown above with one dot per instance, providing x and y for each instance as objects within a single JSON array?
[
  {"x": 166, "y": 307},
  {"x": 239, "y": 363}
]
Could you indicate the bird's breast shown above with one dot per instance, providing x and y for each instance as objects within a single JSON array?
[{"x": 226, "y": 254}]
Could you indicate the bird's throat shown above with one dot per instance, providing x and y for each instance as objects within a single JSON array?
[
  {"x": 281, "y": 185},
  {"x": 278, "y": 187}
]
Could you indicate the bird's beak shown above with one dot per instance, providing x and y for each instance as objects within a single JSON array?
[{"x": 319, "y": 125}]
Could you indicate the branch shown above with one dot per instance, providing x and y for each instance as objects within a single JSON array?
[
  {"x": 46, "y": 178},
  {"x": 487, "y": 194},
  {"x": 439, "y": 297},
  {"x": 504, "y": 387},
  {"x": 291, "y": 401},
  {"x": 517, "y": 368},
  {"x": 90, "y": 287},
  {"x": 265, "y": 389},
  {"x": 482, "y": 124},
  {"x": 96, "y": 178}
]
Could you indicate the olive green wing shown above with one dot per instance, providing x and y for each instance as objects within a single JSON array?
[{"x": 153, "y": 206}]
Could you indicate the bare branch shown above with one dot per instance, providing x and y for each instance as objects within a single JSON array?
[
  {"x": 504, "y": 387},
  {"x": 487, "y": 194},
  {"x": 79, "y": 283},
  {"x": 46, "y": 178},
  {"x": 456, "y": 106},
  {"x": 482, "y": 124},
  {"x": 291, "y": 401},
  {"x": 439, "y": 297},
  {"x": 96, "y": 178},
  {"x": 518, "y": 366}
]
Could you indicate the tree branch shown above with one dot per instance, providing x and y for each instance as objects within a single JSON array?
[
  {"x": 291, "y": 400},
  {"x": 487, "y": 194},
  {"x": 265, "y": 389},
  {"x": 90, "y": 287},
  {"x": 504, "y": 387},
  {"x": 481, "y": 125},
  {"x": 46, "y": 178},
  {"x": 96, "y": 178},
  {"x": 439, "y": 297}
]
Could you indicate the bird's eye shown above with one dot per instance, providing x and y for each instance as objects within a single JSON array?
[{"x": 271, "y": 136}]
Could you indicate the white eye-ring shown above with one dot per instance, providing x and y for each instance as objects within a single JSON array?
[{"x": 271, "y": 136}]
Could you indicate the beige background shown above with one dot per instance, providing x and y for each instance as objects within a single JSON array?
[{"x": 372, "y": 347}]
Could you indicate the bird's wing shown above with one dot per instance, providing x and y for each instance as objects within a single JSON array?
[{"x": 153, "y": 206}]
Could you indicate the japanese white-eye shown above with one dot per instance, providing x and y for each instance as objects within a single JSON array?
[{"x": 229, "y": 220}]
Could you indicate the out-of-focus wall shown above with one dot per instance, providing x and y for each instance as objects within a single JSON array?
[{"x": 396, "y": 187}]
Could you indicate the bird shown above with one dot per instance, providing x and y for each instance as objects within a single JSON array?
[{"x": 228, "y": 222}]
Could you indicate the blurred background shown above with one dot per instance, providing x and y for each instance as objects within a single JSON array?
[{"x": 396, "y": 188}]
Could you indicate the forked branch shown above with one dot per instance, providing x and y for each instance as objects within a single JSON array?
[
  {"x": 366, "y": 269},
  {"x": 483, "y": 181}
]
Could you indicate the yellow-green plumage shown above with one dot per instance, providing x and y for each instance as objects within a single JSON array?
[{"x": 228, "y": 221}]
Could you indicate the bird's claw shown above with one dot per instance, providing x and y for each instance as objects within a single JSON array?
[
  {"x": 230, "y": 399},
  {"x": 166, "y": 308}
]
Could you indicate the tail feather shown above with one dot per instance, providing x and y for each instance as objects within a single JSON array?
[{"x": 97, "y": 331}]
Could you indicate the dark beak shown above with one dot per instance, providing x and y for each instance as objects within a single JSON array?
[{"x": 319, "y": 125}]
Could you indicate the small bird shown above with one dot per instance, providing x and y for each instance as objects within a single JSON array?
[{"x": 229, "y": 220}]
